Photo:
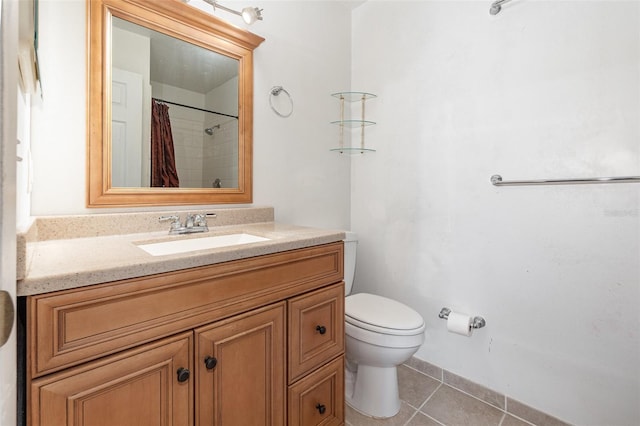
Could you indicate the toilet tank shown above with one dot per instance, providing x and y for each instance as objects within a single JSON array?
[{"x": 350, "y": 246}]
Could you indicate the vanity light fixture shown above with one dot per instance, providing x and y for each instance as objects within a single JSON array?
[
  {"x": 249, "y": 14},
  {"x": 496, "y": 6}
]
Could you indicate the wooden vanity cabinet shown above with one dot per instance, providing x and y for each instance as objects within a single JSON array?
[
  {"x": 241, "y": 370},
  {"x": 257, "y": 341},
  {"x": 138, "y": 387},
  {"x": 316, "y": 337}
]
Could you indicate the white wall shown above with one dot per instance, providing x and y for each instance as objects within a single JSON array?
[
  {"x": 545, "y": 89},
  {"x": 307, "y": 50},
  {"x": 58, "y": 118}
]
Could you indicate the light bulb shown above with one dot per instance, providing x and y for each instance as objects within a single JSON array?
[{"x": 251, "y": 14}]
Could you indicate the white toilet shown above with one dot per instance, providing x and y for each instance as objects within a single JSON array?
[{"x": 381, "y": 334}]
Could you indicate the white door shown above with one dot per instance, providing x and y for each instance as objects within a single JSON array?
[
  {"x": 126, "y": 129},
  {"x": 8, "y": 139}
]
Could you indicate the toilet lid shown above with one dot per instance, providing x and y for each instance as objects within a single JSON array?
[{"x": 379, "y": 313}]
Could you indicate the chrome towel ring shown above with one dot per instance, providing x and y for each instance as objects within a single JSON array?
[{"x": 275, "y": 91}]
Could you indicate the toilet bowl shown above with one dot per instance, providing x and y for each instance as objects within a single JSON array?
[{"x": 380, "y": 334}]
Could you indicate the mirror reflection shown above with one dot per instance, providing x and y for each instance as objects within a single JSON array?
[{"x": 174, "y": 112}]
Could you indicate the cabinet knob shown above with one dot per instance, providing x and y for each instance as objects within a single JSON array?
[
  {"x": 183, "y": 374},
  {"x": 210, "y": 362},
  {"x": 321, "y": 329},
  {"x": 321, "y": 408}
]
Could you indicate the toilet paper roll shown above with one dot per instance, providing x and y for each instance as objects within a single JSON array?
[{"x": 459, "y": 324}]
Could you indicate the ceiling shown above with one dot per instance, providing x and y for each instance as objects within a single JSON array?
[{"x": 180, "y": 64}]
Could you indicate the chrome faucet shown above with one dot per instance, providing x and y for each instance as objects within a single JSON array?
[{"x": 192, "y": 223}]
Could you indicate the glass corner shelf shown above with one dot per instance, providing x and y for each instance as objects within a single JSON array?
[
  {"x": 353, "y": 123},
  {"x": 352, "y": 150},
  {"x": 353, "y": 96}
]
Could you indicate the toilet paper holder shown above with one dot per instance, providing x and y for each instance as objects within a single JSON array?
[{"x": 477, "y": 322}]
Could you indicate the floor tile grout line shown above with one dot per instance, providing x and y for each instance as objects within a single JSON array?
[
  {"x": 504, "y": 410},
  {"x": 478, "y": 398},
  {"x": 415, "y": 413},
  {"x": 504, "y": 416},
  {"x": 441, "y": 383},
  {"x": 417, "y": 410},
  {"x": 429, "y": 397},
  {"x": 425, "y": 374},
  {"x": 520, "y": 418},
  {"x": 435, "y": 420},
  {"x": 505, "y": 397},
  {"x": 516, "y": 417}
]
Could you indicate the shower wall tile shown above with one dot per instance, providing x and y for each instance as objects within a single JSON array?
[
  {"x": 188, "y": 141},
  {"x": 223, "y": 159}
]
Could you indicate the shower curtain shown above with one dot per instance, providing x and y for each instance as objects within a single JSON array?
[{"x": 163, "y": 159}]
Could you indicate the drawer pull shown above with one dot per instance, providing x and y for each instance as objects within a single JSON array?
[
  {"x": 321, "y": 408},
  {"x": 183, "y": 374},
  {"x": 210, "y": 362},
  {"x": 321, "y": 329}
]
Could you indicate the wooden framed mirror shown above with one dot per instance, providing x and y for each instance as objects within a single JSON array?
[{"x": 146, "y": 56}]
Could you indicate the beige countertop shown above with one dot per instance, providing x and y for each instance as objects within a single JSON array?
[{"x": 58, "y": 264}]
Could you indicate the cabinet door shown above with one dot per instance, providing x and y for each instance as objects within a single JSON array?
[
  {"x": 240, "y": 370},
  {"x": 318, "y": 399},
  {"x": 146, "y": 386}
]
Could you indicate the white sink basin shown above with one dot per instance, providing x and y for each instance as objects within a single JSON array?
[{"x": 193, "y": 244}]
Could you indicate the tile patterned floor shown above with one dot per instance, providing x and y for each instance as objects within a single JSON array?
[{"x": 430, "y": 402}]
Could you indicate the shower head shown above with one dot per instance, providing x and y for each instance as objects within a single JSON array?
[{"x": 209, "y": 130}]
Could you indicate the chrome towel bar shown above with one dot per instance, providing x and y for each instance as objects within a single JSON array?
[{"x": 496, "y": 180}]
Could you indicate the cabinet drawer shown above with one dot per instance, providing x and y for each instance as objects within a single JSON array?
[
  {"x": 137, "y": 387},
  {"x": 74, "y": 326},
  {"x": 318, "y": 399},
  {"x": 316, "y": 329}
]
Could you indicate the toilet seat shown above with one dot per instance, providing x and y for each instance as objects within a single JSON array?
[
  {"x": 379, "y": 314},
  {"x": 383, "y": 340}
]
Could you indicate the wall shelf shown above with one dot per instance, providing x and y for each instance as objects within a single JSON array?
[
  {"x": 354, "y": 96},
  {"x": 352, "y": 124},
  {"x": 352, "y": 150}
]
